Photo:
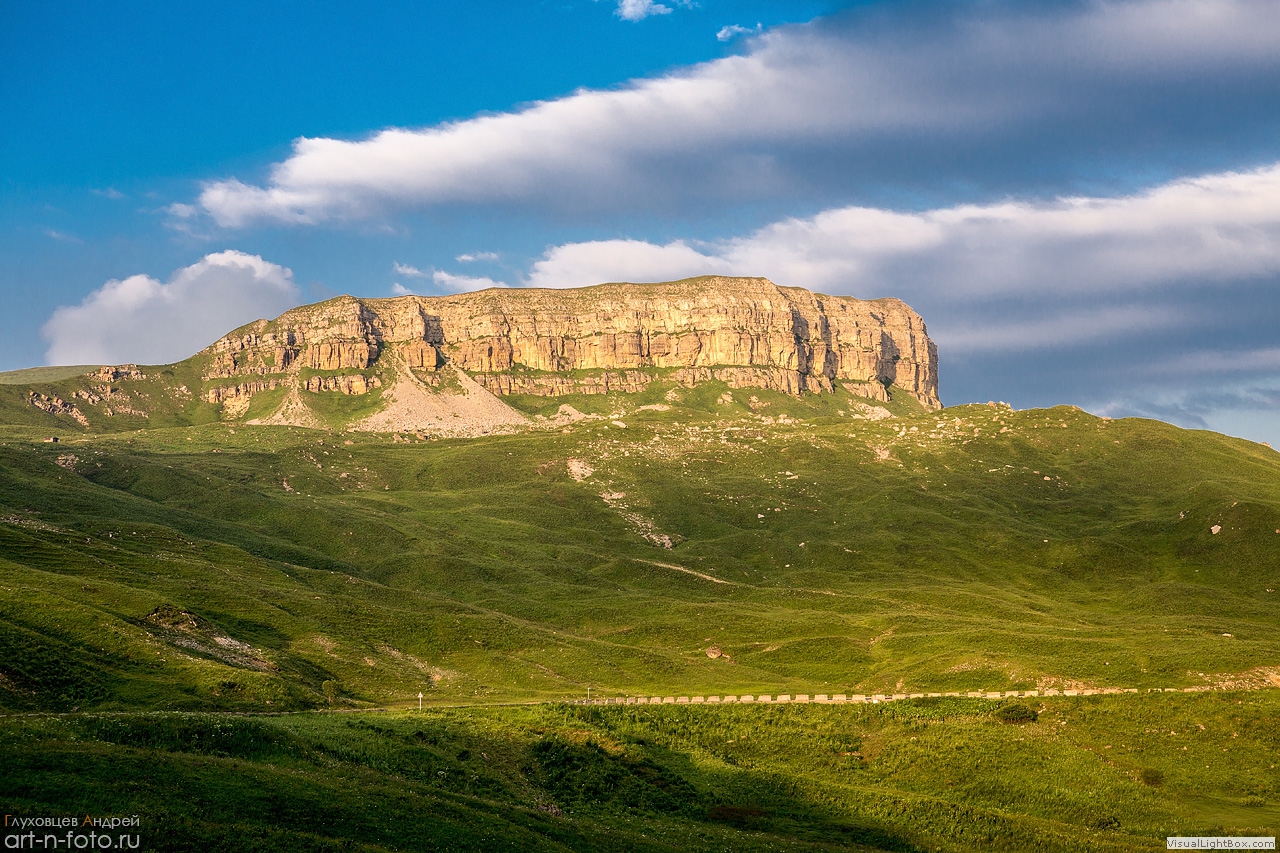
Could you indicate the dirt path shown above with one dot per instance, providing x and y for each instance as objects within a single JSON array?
[{"x": 674, "y": 567}]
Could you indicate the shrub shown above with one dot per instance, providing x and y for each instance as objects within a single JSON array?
[{"x": 1016, "y": 713}]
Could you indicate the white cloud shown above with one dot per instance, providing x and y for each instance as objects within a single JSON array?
[
  {"x": 732, "y": 31},
  {"x": 1213, "y": 228},
  {"x": 398, "y": 289},
  {"x": 1159, "y": 303},
  {"x": 406, "y": 270},
  {"x": 812, "y": 107},
  {"x": 638, "y": 10},
  {"x": 451, "y": 283},
  {"x": 142, "y": 320},
  {"x": 581, "y": 264},
  {"x": 477, "y": 256}
]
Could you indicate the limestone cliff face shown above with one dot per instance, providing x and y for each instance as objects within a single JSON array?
[{"x": 747, "y": 332}]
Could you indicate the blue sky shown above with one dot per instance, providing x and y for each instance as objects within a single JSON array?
[{"x": 1081, "y": 198}]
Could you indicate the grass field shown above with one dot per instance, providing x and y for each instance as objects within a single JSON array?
[
  {"x": 223, "y": 568},
  {"x": 44, "y": 374},
  {"x": 1104, "y": 773}
]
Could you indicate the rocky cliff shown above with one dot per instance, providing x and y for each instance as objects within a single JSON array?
[
  {"x": 443, "y": 364},
  {"x": 747, "y": 332}
]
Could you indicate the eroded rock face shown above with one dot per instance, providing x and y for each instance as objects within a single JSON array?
[
  {"x": 747, "y": 332},
  {"x": 353, "y": 384},
  {"x": 55, "y": 405}
]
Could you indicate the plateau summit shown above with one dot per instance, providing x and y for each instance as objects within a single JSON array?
[{"x": 443, "y": 364}]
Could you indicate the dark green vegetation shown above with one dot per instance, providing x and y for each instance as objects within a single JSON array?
[
  {"x": 221, "y": 567},
  {"x": 937, "y": 775}
]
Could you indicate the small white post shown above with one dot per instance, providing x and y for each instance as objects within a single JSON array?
[
  {"x": 419, "y": 700},
  {"x": 588, "y": 693}
]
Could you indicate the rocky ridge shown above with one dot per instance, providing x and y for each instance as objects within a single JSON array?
[
  {"x": 746, "y": 332},
  {"x": 443, "y": 364}
]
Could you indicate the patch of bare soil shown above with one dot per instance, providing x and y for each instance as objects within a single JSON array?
[
  {"x": 1258, "y": 678},
  {"x": 564, "y": 416},
  {"x": 578, "y": 469},
  {"x": 469, "y": 411}
]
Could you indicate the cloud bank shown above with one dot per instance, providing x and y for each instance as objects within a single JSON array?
[
  {"x": 145, "y": 321},
  {"x": 1160, "y": 303},
  {"x": 1219, "y": 227},
  {"x": 976, "y": 93}
]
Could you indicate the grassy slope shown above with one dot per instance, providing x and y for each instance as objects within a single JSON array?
[
  {"x": 45, "y": 374},
  {"x": 1107, "y": 773},
  {"x": 482, "y": 570},
  {"x": 173, "y": 569}
]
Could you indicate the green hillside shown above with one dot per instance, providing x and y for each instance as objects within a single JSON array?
[
  {"x": 45, "y": 374},
  {"x": 218, "y": 567},
  {"x": 975, "y": 548},
  {"x": 1106, "y": 773}
]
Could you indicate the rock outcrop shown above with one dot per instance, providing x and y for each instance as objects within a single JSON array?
[
  {"x": 747, "y": 332},
  {"x": 55, "y": 405}
]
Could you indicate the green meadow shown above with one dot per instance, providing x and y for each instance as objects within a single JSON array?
[
  {"x": 168, "y": 592},
  {"x": 1100, "y": 773}
]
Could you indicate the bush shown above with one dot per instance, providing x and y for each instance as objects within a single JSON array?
[{"x": 1016, "y": 713}]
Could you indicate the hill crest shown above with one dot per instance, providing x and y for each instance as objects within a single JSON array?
[{"x": 444, "y": 364}]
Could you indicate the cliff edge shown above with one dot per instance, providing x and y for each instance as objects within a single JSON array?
[{"x": 443, "y": 364}]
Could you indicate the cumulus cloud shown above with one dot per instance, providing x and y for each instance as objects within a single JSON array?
[
  {"x": 450, "y": 283},
  {"x": 1219, "y": 227},
  {"x": 732, "y": 31},
  {"x": 406, "y": 270},
  {"x": 1147, "y": 303},
  {"x": 985, "y": 93},
  {"x": 142, "y": 320},
  {"x": 638, "y": 10},
  {"x": 581, "y": 264},
  {"x": 477, "y": 256},
  {"x": 445, "y": 282}
]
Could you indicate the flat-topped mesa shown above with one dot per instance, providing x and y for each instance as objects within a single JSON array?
[{"x": 747, "y": 332}]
